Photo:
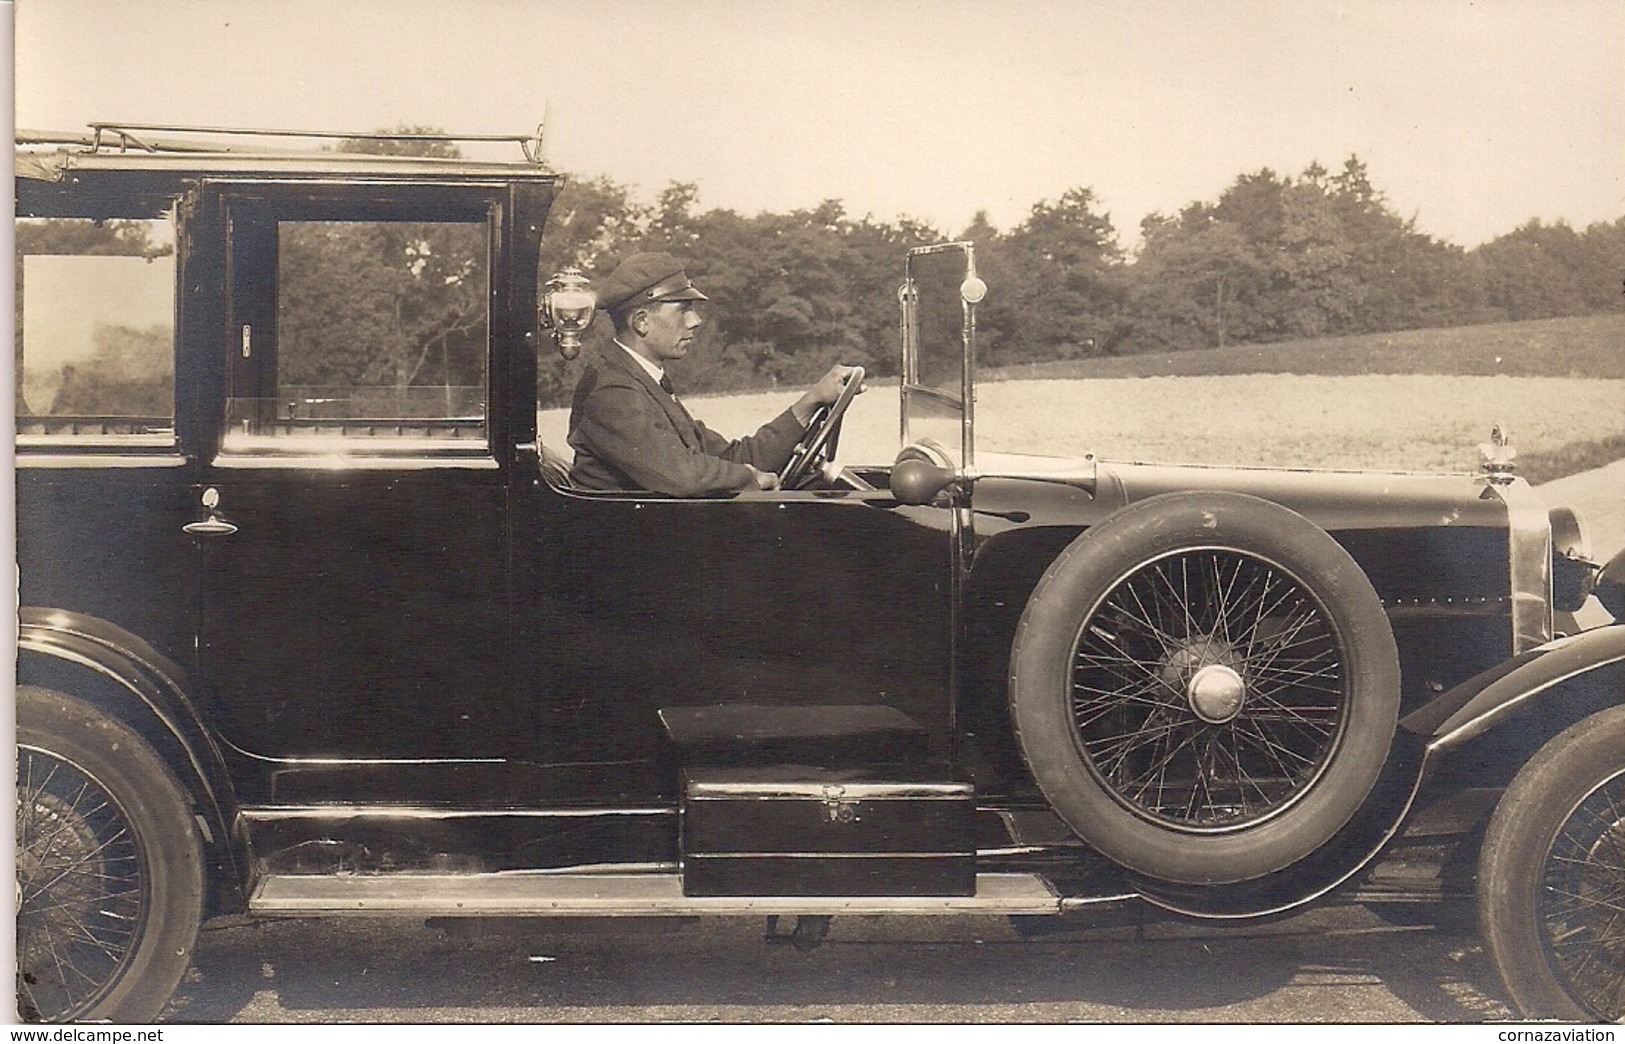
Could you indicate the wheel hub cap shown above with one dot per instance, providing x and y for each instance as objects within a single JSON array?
[{"x": 1216, "y": 693}]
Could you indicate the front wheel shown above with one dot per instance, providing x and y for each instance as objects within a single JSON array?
[
  {"x": 1551, "y": 880},
  {"x": 109, "y": 867}
]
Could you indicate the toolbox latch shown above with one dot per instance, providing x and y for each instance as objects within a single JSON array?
[{"x": 838, "y": 808}]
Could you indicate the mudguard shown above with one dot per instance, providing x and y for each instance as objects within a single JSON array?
[
  {"x": 50, "y": 640},
  {"x": 1484, "y": 701}
]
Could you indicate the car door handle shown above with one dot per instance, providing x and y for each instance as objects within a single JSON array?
[{"x": 214, "y": 525}]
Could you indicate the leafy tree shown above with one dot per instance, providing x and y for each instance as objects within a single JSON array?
[
  {"x": 1191, "y": 282},
  {"x": 876, "y": 252},
  {"x": 589, "y": 226},
  {"x": 1311, "y": 256},
  {"x": 1067, "y": 289},
  {"x": 1536, "y": 272},
  {"x": 790, "y": 293},
  {"x": 1601, "y": 260},
  {"x": 1405, "y": 278}
]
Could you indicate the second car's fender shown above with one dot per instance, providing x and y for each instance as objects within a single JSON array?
[{"x": 1475, "y": 706}]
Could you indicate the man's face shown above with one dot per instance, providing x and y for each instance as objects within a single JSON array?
[{"x": 669, "y": 328}]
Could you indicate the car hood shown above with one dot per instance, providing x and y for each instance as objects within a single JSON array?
[{"x": 1052, "y": 489}]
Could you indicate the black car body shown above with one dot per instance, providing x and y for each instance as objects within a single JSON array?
[{"x": 383, "y": 657}]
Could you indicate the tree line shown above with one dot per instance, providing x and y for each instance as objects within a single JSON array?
[{"x": 1274, "y": 258}]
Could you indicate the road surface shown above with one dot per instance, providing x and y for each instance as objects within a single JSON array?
[{"x": 1341, "y": 965}]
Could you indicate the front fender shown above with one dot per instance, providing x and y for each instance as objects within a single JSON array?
[
  {"x": 1480, "y": 703},
  {"x": 76, "y": 652}
]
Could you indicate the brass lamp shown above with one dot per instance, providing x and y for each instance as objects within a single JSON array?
[{"x": 567, "y": 309}]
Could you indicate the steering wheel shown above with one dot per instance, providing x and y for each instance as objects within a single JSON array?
[{"x": 817, "y": 445}]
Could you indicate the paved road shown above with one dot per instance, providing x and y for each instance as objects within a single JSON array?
[{"x": 1327, "y": 965}]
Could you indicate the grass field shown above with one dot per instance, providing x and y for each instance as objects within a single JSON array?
[
  {"x": 1393, "y": 422},
  {"x": 1583, "y": 346}
]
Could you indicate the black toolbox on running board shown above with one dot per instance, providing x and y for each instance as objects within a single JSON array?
[{"x": 792, "y": 830}]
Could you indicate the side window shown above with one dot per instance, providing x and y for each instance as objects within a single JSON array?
[
  {"x": 381, "y": 332},
  {"x": 95, "y": 322}
]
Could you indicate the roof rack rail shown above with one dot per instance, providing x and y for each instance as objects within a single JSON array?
[{"x": 125, "y": 137}]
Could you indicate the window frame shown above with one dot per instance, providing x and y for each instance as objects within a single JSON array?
[{"x": 252, "y": 218}]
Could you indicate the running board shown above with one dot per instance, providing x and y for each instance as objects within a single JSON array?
[{"x": 526, "y": 894}]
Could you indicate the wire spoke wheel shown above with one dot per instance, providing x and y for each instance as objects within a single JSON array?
[
  {"x": 109, "y": 866},
  {"x": 1582, "y": 900},
  {"x": 82, "y": 896},
  {"x": 1205, "y": 687},
  {"x": 1208, "y": 689},
  {"x": 1551, "y": 876}
]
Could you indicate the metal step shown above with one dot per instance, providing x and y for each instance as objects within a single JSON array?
[{"x": 529, "y": 894}]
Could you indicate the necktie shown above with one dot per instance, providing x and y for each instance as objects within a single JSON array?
[{"x": 665, "y": 386}]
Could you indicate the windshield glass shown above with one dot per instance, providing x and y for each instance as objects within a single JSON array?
[{"x": 936, "y": 363}]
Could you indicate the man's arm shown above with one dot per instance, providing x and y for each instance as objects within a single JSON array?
[{"x": 768, "y": 450}]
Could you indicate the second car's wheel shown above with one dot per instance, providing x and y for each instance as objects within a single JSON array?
[
  {"x": 1551, "y": 879},
  {"x": 109, "y": 868},
  {"x": 1205, "y": 687}
]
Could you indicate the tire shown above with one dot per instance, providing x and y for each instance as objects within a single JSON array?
[
  {"x": 1205, "y": 687},
  {"x": 1551, "y": 877},
  {"x": 109, "y": 867}
]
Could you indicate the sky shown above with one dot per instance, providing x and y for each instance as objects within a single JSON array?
[{"x": 1472, "y": 117}]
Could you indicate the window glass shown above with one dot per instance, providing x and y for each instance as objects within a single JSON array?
[
  {"x": 933, "y": 387},
  {"x": 95, "y": 321},
  {"x": 381, "y": 333}
]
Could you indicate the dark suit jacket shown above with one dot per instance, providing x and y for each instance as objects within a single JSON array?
[{"x": 629, "y": 434}]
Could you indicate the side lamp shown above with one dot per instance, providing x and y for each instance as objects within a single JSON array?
[{"x": 567, "y": 309}]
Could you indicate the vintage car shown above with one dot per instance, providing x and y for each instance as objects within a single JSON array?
[{"x": 313, "y": 625}]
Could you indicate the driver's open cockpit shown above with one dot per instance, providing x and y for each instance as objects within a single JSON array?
[
  {"x": 937, "y": 302},
  {"x": 811, "y": 465}
]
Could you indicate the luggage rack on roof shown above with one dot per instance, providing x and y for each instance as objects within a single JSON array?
[{"x": 126, "y": 137}]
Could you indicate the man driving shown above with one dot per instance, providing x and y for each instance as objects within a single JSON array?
[{"x": 627, "y": 427}]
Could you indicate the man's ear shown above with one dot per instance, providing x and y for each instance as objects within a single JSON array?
[{"x": 640, "y": 321}]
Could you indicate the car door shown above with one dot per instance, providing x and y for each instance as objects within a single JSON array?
[
  {"x": 355, "y": 600},
  {"x": 774, "y": 599},
  {"x": 102, "y": 477}
]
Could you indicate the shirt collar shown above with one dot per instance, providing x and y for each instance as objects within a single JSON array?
[{"x": 648, "y": 367}]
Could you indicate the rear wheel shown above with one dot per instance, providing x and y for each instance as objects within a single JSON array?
[
  {"x": 1205, "y": 687},
  {"x": 1552, "y": 877},
  {"x": 109, "y": 868}
]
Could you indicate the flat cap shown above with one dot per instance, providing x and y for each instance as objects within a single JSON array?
[{"x": 645, "y": 279}]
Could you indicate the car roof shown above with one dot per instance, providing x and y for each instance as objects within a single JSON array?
[{"x": 227, "y": 152}]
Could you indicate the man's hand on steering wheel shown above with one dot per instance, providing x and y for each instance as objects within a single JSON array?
[
  {"x": 820, "y": 412},
  {"x": 765, "y": 480},
  {"x": 826, "y": 391}
]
